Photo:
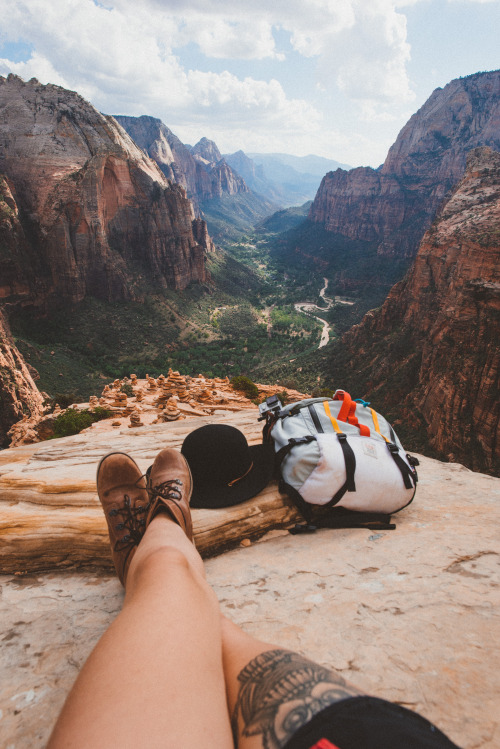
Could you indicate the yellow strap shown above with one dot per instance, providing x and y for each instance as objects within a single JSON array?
[
  {"x": 376, "y": 425},
  {"x": 332, "y": 419}
]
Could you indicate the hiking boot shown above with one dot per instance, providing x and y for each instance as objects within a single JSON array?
[
  {"x": 122, "y": 490},
  {"x": 170, "y": 486}
]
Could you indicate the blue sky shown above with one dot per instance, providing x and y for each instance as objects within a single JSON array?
[{"x": 338, "y": 78}]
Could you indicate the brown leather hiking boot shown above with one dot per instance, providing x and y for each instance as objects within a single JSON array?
[
  {"x": 125, "y": 501},
  {"x": 170, "y": 486}
]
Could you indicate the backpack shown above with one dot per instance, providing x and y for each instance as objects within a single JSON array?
[{"x": 340, "y": 462}]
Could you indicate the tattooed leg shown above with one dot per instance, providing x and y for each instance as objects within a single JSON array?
[{"x": 276, "y": 693}]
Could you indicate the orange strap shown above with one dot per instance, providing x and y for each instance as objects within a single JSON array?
[
  {"x": 332, "y": 418},
  {"x": 376, "y": 424}
]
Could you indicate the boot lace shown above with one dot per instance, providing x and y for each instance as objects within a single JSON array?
[
  {"x": 132, "y": 519},
  {"x": 167, "y": 490}
]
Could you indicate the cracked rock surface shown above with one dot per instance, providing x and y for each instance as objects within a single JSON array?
[{"x": 410, "y": 615}]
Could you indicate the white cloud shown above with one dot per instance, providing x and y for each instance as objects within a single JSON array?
[
  {"x": 124, "y": 64},
  {"x": 127, "y": 58},
  {"x": 369, "y": 60},
  {"x": 229, "y": 39}
]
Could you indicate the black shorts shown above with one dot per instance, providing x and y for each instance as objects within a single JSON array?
[{"x": 368, "y": 723}]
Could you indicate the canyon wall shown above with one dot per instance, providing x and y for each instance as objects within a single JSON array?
[
  {"x": 201, "y": 170},
  {"x": 19, "y": 396},
  {"x": 430, "y": 356},
  {"x": 393, "y": 205},
  {"x": 90, "y": 209}
]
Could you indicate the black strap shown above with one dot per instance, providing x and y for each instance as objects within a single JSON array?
[
  {"x": 408, "y": 474},
  {"x": 292, "y": 442},
  {"x": 350, "y": 470},
  {"x": 314, "y": 417},
  {"x": 340, "y": 517}
]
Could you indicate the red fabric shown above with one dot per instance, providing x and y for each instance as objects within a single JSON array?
[
  {"x": 324, "y": 744},
  {"x": 353, "y": 419},
  {"x": 347, "y": 412},
  {"x": 341, "y": 395}
]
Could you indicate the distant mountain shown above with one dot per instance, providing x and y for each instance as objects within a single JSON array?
[
  {"x": 314, "y": 165},
  {"x": 206, "y": 152},
  {"x": 365, "y": 225},
  {"x": 255, "y": 178},
  {"x": 283, "y": 178},
  {"x": 218, "y": 192},
  {"x": 394, "y": 205},
  {"x": 284, "y": 220},
  {"x": 199, "y": 169}
]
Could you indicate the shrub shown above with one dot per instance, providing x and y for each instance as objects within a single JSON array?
[
  {"x": 245, "y": 385},
  {"x": 127, "y": 389},
  {"x": 64, "y": 400},
  {"x": 73, "y": 421},
  {"x": 284, "y": 397},
  {"x": 322, "y": 393}
]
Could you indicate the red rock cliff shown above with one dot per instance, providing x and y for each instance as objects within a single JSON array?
[
  {"x": 430, "y": 356},
  {"x": 19, "y": 395},
  {"x": 394, "y": 205},
  {"x": 95, "y": 210}
]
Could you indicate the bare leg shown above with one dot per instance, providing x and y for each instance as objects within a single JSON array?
[
  {"x": 155, "y": 678},
  {"x": 273, "y": 692}
]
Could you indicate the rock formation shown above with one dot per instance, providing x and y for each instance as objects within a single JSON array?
[
  {"x": 201, "y": 170},
  {"x": 414, "y": 609},
  {"x": 87, "y": 204},
  {"x": 392, "y": 206},
  {"x": 19, "y": 396},
  {"x": 430, "y": 356}
]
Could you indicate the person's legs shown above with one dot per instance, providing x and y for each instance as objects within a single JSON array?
[
  {"x": 272, "y": 692},
  {"x": 155, "y": 678}
]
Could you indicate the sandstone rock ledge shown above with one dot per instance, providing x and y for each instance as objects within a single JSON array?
[{"x": 411, "y": 615}]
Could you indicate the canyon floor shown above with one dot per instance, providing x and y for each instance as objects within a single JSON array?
[{"x": 410, "y": 615}]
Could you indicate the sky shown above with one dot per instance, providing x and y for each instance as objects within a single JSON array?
[{"x": 335, "y": 78}]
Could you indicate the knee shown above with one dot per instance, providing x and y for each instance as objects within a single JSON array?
[
  {"x": 162, "y": 560},
  {"x": 156, "y": 566}
]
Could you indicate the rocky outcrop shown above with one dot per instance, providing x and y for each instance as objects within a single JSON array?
[
  {"x": 206, "y": 151},
  {"x": 201, "y": 170},
  {"x": 394, "y": 205},
  {"x": 430, "y": 355},
  {"x": 413, "y": 609},
  {"x": 93, "y": 206},
  {"x": 19, "y": 396}
]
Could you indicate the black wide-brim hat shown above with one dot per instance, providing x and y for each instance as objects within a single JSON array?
[{"x": 226, "y": 469}]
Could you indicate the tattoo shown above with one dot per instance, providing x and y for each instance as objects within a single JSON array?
[{"x": 280, "y": 692}]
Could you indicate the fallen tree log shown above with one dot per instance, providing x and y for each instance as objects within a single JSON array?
[{"x": 51, "y": 517}]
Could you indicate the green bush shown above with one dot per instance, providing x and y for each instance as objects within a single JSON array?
[
  {"x": 73, "y": 421},
  {"x": 322, "y": 393},
  {"x": 246, "y": 386},
  {"x": 127, "y": 389},
  {"x": 64, "y": 400}
]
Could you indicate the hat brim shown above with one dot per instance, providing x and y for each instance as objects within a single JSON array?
[{"x": 249, "y": 486}]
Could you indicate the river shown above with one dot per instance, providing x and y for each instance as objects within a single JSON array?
[{"x": 309, "y": 309}]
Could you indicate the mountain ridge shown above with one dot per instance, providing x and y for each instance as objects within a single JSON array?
[
  {"x": 91, "y": 204},
  {"x": 394, "y": 205},
  {"x": 429, "y": 356}
]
